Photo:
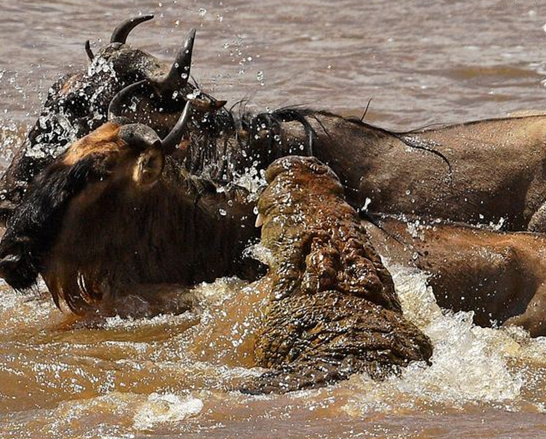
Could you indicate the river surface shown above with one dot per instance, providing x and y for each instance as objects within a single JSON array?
[{"x": 420, "y": 63}]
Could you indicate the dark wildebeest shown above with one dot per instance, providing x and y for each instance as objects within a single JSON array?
[
  {"x": 438, "y": 173},
  {"x": 77, "y": 104}
]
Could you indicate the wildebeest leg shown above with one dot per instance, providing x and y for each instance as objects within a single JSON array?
[
  {"x": 534, "y": 317},
  {"x": 538, "y": 220},
  {"x": 147, "y": 300}
]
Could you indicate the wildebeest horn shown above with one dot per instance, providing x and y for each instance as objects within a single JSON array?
[
  {"x": 175, "y": 80},
  {"x": 122, "y": 31},
  {"x": 137, "y": 134},
  {"x": 88, "y": 50},
  {"x": 115, "y": 106},
  {"x": 141, "y": 135},
  {"x": 178, "y": 76},
  {"x": 170, "y": 142}
]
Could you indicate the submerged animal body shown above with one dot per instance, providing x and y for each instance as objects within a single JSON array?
[
  {"x": 499, "y": 276},
  {"x": 332, "y": 307},
  {"x": 437, "y": 173}
]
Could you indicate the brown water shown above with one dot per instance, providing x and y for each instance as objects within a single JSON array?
[{"x": 421, "y": 63}]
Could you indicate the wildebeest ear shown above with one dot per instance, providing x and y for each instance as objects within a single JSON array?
[{"x": 149, "y": 166}]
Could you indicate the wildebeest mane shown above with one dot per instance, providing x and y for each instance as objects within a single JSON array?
[
  {"x": 38, "y": 220},
  {"x": 226, "y": 143},
  {"x": 407, "y": 137}
]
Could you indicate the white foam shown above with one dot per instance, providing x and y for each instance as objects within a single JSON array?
[
  {"x": 162, "y": 408},
  {"x": 469, "y": 363}
]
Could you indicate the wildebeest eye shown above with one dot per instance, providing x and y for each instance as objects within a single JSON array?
[{"x": 149, "y": 166}]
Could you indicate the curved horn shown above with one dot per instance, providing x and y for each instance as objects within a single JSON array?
[
  {"x": 116, "y": 104},
  {"x": 178, "y": 76},
  {"x": 127, "y": 132},
  {"x": 143, "y": 136},
  {"x": 170, "y": 142},
  {"x": 122, "y": 31},
  {"x": 139, "y": 135},
  {"x": 88, "y": 50}
]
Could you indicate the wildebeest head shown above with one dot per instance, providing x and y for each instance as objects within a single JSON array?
[
  {"x": 118, "y": 210},
  {"x": 114, "y": 156},
  {"x": 159, "y": 91},
  {"x": 77, "y": 104},
  {"x": 114, "y": 153}
]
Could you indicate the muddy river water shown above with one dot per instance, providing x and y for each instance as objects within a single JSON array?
[{"x": 421, "y": 63}]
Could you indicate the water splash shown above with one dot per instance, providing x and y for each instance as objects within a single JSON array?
[
  {"x": 470, "y": 365},
  {"x": 162, "y": 408}
]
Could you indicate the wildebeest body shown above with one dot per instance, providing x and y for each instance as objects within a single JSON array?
[
  {"x": 489, "y": 171},
  {"x": 500, "y": 277}
]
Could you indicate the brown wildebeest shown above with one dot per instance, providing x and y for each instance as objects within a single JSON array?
[
  {"x": 480, "y": 172},
  {"x": 122, "y": 196},
  {"x": 501, "y": 277}
]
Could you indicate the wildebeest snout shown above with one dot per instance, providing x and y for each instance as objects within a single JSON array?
[{"x": 16, "y": 266}]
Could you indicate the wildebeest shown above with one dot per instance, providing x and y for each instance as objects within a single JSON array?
[
  {"x": 141, "y": 218},
  {"x": 438, "y": 173},
  {"x": 499, "y": 276},
  {"x": 77, "y": 104}
]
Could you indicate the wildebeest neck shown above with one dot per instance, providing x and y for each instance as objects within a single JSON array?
[{"x": 181, "y": 231}]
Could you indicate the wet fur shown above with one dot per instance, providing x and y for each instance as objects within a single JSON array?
[
  {"x": 33, "y": 228},
  {"x": 500, "y": 277},
  {"x": 116, "y": 237}
]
